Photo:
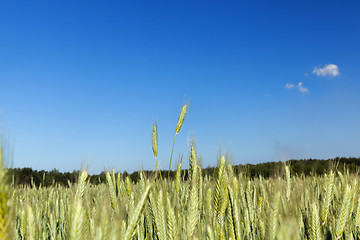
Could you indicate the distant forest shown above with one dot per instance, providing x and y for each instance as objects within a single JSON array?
[{"x": 306, "y": 167}]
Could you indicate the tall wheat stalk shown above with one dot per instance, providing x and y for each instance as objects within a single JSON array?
[
  {"x": 177, "y": 129},
  {"x": 155, "y": 146}
]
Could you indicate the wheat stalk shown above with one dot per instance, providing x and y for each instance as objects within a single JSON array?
[
  {"x": 273, "y": 217},
  {"x": 160, "y": 218},
  {"x": 155, "y": 140},
  {"x": 178, "y": 180},
  {"x": 171, "y": 222},
  {"x": 315, "y": 224},
  {"x": 30, "y": 230},
  {"x": 220, "y": 198},
  {"x": 193, "y": 201},
  {"x": 181, "y": 117},
  {"x": 192, "y": 161},
  {"x": 77, "y": 221},
  {"x": 328, "y": 197},
  {"x": 234, "y": 213},
  {"x": 344, "y": 213},
  {"x": 81, "y": 185},
  {"x": 112, "y": 192},
  {"x": 288, "y": 182},
  {"x": 178, "y": 127},
  {"x": 135, "y": 216},
  {"x": 128, "y": 185}
]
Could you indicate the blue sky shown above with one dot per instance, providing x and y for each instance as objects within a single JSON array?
[{"x": 83, "y": 81}]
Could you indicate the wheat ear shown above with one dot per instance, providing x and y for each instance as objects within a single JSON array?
[
  {"x": 220, "y": 197},
  {"x": 273, "y": 217},
  {"x": 22, "y": 224},
  {"x": 192, "y": 161},
  {"x": 344, "y": 213},
  {"x": 315, "y": 224},
  {"x": 136, "y": 214},
  {"x": 193, "y": 201},
  {"x": 30, "y": 223},
  {"x": 178, "y": 127},
  {"x": 81, "y": 185},
  {"x": 76, "y": 231},
  {"x": 112, "y": 191},
  {"x": 155, "y": 146},
  {"x": 128, "y": 186},
  {"x": 181, "y": 117},
  {"x": 172, "y": 231},
  {"x": 155, "y": 140},
  {"x": 160, "y": 217},
  {"x": 77, "y": 221},
  {"x": 342, "y": 180},
  {"x": 118, "y": 184},
  {"x": 178, "y": 181},
  {"x": 288, "y": 183},
  {"x": 328, "y": 197}
]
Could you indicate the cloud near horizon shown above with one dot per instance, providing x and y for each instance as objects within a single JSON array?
[{"x": 331, "y": 70}]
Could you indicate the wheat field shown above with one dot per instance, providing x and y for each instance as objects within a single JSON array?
[{"x": 223, "y": 206}]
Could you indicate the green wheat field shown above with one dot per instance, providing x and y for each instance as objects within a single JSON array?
[{"x": 222, "y": 206}]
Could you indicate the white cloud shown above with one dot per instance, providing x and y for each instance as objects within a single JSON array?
[
  {"x": 301, "y": 88},
  {"x": 289, "y": 86},
  {"x": 328, "y": 70}
]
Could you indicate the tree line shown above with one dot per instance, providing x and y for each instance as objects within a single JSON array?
[{"x": 306, "y": 167}]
